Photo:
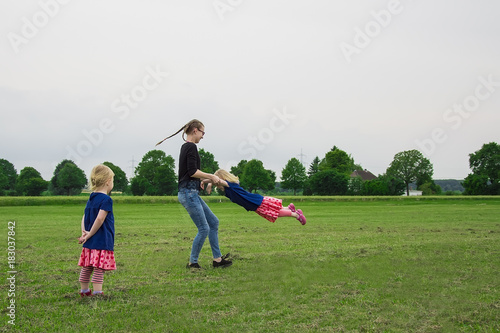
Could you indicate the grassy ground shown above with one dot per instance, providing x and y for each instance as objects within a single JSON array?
[{"x": 357, "y": 266}]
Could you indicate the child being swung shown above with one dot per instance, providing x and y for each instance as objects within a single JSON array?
[
  {"x": 268, "y": 207},
  {"x": 98, "y": 232}
]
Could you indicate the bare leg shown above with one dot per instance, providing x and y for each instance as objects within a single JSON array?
[
  {"x": 285, "y": 212},
  {"x": 297, "y": 214}
]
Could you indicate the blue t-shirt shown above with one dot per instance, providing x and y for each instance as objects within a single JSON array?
[
  {"x": 238, "y": 195},
  {"x": 104, "y": 238}
]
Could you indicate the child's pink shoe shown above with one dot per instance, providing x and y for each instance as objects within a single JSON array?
[
  {"x": 291, "y": 207},
  {"x": 301, "y": 217},
  {"x": 88, "y": 293}
]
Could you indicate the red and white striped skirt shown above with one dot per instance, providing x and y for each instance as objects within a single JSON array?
[{"x": 270, "y": 208}]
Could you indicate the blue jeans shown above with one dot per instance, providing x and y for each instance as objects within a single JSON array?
[{"x": 206, "y": 222}]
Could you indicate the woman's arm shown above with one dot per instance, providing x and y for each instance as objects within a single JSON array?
[
  {"x": 222, "y": 183},
  {"x": 203, "y": 175}
]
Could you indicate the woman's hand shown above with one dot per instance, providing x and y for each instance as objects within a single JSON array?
[{"x": 215, "y": 180}]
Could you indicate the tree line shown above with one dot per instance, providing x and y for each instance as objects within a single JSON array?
[{"x": 330, "y": 175}]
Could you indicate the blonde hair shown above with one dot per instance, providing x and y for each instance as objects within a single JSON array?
[
  {"x": 188, "y": 129},
  {"x": 227, "y": 176},
  {"x": 99, "y": 175}
]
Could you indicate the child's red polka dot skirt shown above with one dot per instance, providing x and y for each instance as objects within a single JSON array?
[
  {"x": 270, "y": 208},
  {"x": 102, "y": 259}
]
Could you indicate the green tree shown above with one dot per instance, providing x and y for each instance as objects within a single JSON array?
[
  {"x": 337, "y": 159},
  {"x": 8, "y": 181},
  {"x": 208, "y": 162},
  {"x": 138, "y": 185},
  {"x": 356, "y": 186},
  {"x": 409, "y": 166},
  {"x": 271, "y": 186},
  {"x": 155, "y": 175},
  {"x": 427, "y": 185},
  {"x": 329, "y": 182},
  {"x": 384, "y": 185},
  {"x": 394, "y": 186},
  {"x": 485, "y": 166},
  {"x": 476, "y": 185},
  {"x": 314, "y": 167},
  {"x": 375, "y": 187},
  {"x": 4, "y": 183},
  {"x": 430, "y": 188},
  {"x": 120, "y": 180},
  {"x": 486, "y": 161},
  {"x": 238, "y": 170},
  {"x": 255, "y": 177},
  {"x": 293, "y": 176},
  {"x": 30, "y": 182},
  {"x": 53, "y": 188},
  {"x": 70, "y": 179},
  {"x": 166, "y": 179}
]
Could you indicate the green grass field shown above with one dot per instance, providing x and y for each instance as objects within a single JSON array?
[{"x": 357, "y": 266}]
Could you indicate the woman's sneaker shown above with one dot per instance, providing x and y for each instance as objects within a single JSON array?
[
  {"x": 223, "y": 263},
  {"x": 301, "y": 217},
  {"x": 195, "y": 265},
  {"x": 291, "y": 207}
]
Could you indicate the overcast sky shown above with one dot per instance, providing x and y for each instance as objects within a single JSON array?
[{"x": 97, "y": 81}]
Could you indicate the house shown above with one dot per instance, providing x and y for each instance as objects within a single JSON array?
[
  {"x": 413, "y": 193},
  {"x": 364, "y": 174}
]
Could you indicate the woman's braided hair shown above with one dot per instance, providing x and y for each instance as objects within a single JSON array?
[{"x": 188, "y": 128}]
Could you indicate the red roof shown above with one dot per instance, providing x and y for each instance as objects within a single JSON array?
[{"x": 364, "y": 174}]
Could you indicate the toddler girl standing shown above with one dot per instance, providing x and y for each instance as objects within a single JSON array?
[{"x": 98, "y": 232}]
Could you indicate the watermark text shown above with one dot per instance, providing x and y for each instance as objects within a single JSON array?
[
  {"x": 364, "y": 36},
  {"x": 11, "y": 272},
  {"x": 31, "y": 27},
  {"x": 455, "y": 115},
  {"x": 253, "y": 143},
  {"x": 223, "y": 7},
  {"x": 121, "y": 106}
]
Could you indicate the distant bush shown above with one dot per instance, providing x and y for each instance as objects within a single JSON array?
[
  {"x": 118, "y": 200},
  {"x": 452, "y": 193}
]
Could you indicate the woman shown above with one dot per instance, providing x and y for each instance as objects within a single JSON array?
[{"x": 190, "y": 177}]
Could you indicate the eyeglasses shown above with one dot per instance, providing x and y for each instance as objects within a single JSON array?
[{"x": 201, "y": 131}]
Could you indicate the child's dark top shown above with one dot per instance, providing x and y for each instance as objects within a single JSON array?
[
  {"x": 104, "y": 238},
  {"x": 189, "y": 162},
  {"x": 238, "y": 195}
]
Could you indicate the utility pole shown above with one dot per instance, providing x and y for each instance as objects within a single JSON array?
[
  {"x": 301, "y": 157},
  {"x": 133, "y": 164}
]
